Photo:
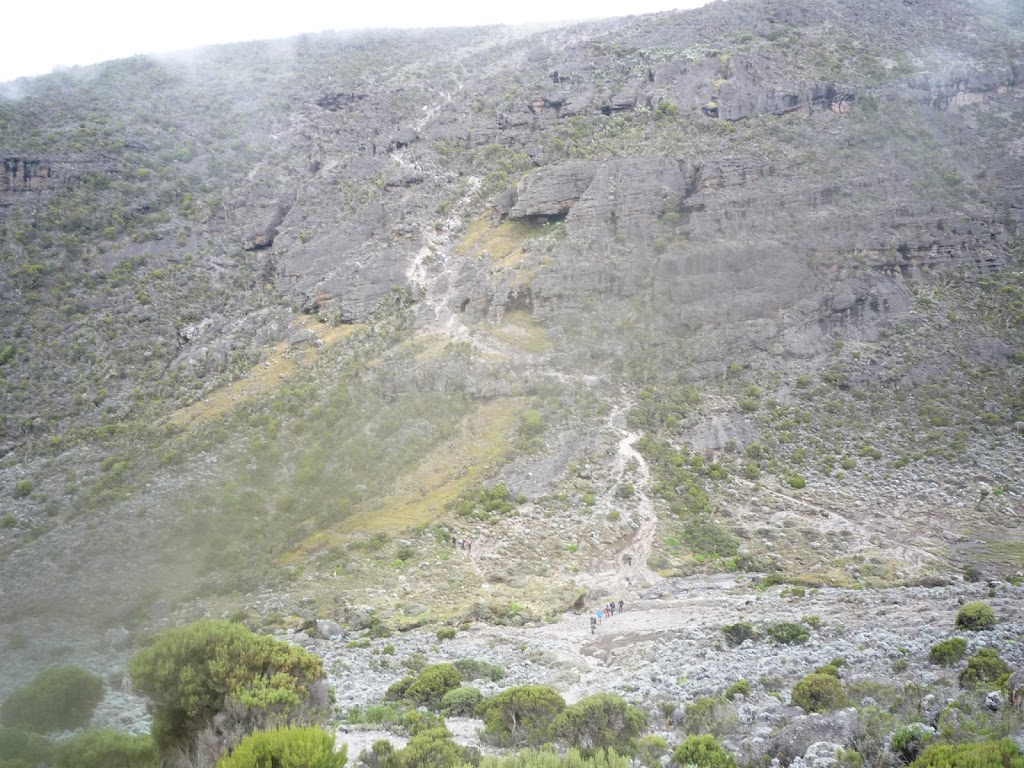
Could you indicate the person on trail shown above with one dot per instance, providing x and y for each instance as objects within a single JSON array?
[
  {"x": 469, "y": 545},
  {"x": 620, "y": 606},
  {"x": 629, "y": 559},
  {"x": 463, "y": 543},
  {"x": 611, "y": 608},
  {"x": 593, "y": 624},
  {"x": 600, "y": 615}
]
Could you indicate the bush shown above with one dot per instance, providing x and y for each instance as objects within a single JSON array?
[
  {"x": 106, "y": 749},
  {"x": 601, "y": 721},
  {"x": 975, "y": 617},
  {"x": 473, "y": 669},
  {"x": 432, "y": 683},
  {"x": 650, "y": 749},
  {"x": 738, "y": 632},
  {"x": 739, "y": 688},
  {"x": 286, "y": 748},
  {"x": 218, "y": 669},
  {"x": 828, "y": 669},
  {"x": 819, "y": 693},
  {"x": 797, "y": 481},
  {"x": 521, "y": 716},
  {"x": 397, "y": 690},
  {"x": 446, "y": 633},
  {"x": 788, "y": 633},
  {"x": 429, "y": 748},
  {"x": 948, "y": 652},
  {"x": 23, "y": 749},
  {"x": 710, "y": 714},
  {"x": 703, "y": 751},
  {"x": 57, "y": 699},
  {"x": 908, "y": 741},
  {"x": 462, "y": 701},
  {"x": 22, "y": 489},
  {"x": 548, "y": 759},
  {"x": 985, "y": 754},
  {"x": 985, "y": 667}
]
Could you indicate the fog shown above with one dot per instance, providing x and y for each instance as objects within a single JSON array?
[{"x": 114, "y": 29}]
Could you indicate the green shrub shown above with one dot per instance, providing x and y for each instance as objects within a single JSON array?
[
  {"x": 710, "y": 714},
  {"x": 289, "y": 747},
  {"x": 532, "y": 423},
  {"x": 431, "y": 747},
  {"x": 985, "y": 667},
  {"x": 739, "y": 688},
  {"x": 23, "y": 749},
  {"x": 650, "y": 749},
  {"x": 521, "y": 716},
  {"x": 703, "y": 751},
  {"x": 908, "y": 741},
  {"x": 788, "y": 633},
  {"x": 57, "y": 699},
  {"x": 984, "y": 754},
  {"x": 545, "y": 758},
  {"x": 601, "y": 721},
  {"x": 192, "y": 674},
  {"x": 797, "y": 481},
  {"x": 948, "y": 652},
  {"x": 819, "y": 693},
  {"x": 446, "y": 633},
  {"x": 432, "y": 683},
  {"x": 462, "y": 701},
  {"x": 474, "y": 669},
  {"x": 22, "y": 489},
  {"x": 828, "y": 669},
  {"x": 975, "y": 616},
  {"x": 106, "y": 749},
  {"x": 738, "y": 632},
  {"x": 397, "y": 690}
]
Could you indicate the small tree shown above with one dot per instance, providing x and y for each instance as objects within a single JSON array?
[
  {"x": 211, "y": 683},
  {"x": 59, "y": 698},
  {"x": 286, "y": 748},
  {"x": 601, "y": 721},
  {"x": 521, "y": 716}
]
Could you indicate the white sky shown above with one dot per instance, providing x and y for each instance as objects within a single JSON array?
[{"x": 41, "y": 35}]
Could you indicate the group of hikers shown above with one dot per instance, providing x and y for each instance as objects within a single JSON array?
[{"x": 600, "y": 613}]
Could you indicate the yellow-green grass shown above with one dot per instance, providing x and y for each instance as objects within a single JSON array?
[
  {"x": 279, "y": 363},
  {"x": 423, "y": 494},
  {"x": 519, "y": 330},
  {"x": 502, "y": 242}
]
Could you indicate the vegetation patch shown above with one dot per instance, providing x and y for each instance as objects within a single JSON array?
[
  {"x": 975, "y": 617},
  {"x": 59, "y": 698}
]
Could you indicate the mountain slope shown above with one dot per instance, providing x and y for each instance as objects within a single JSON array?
[{"x": 732, "y": 289}]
